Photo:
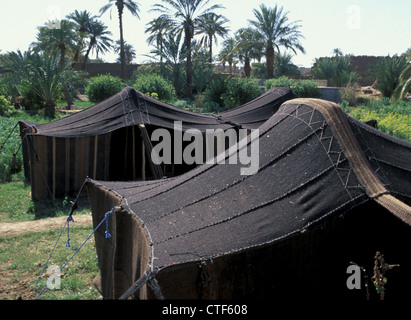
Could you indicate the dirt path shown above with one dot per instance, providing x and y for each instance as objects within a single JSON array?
[{"x": 10, "y": 229}]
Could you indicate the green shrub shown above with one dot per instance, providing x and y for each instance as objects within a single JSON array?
[
  {"x": 6, "y": 110},
  {"x": 301, "y": 88},
  {"x": 214, "y": 91},
  {"x": 155, "y": 84},
  {"x": 102, "y": 87},
  {"x": 387, "y": 71},
  {"x": 337, "y": 70},
  {"x": 30, "y": 99},
  {"x": 229, "y": 93},
  {"x": 240, "y": 91}
]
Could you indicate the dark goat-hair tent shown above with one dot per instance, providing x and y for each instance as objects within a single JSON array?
[
  {"x": 111, "y": 140},
  {"x": 330, "y": 190}
]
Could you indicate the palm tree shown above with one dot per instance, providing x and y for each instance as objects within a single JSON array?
[
  {"x": 63, "y": 39},
  {"x": 337, "y": 52},
  {"x": 174, "y": 55},
  {"x": 405, "y": 79},
  {"x": 42, "y": 72},
  {"x": 284, "y": 67},
  {"x": 228, "y": 53},
  {"x": 133, "y": 7},
  {"x": 184, "y": 16},
  {"x": 277, "y": 31},
  {"x": 212, "y": 25},
  {"x": 158, "y": 29},
  {"x": 388, "y": 71},
  {"x": 98, "y": 41},
  {"x": 129, "y": 51},
  {"x": 82, "y": 20},
  {"x": 405, "y": 83},
  {"x": 249, "y": 45}
]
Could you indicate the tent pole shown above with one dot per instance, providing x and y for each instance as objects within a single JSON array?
[
  {"x": 134, "y": 153},
  {"x": 143, "y": 168},
  {"x": 107, "y": 157},
  {"x": 95, "y": 157},
  {"x": 54, "y": 167},
  {"x": 155, "y": 169},
  {"x": 67, "y": 184},
  {"x": 125, "y": 154}
]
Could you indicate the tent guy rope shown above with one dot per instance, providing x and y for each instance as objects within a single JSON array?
[{"x": 69, "y": 218}]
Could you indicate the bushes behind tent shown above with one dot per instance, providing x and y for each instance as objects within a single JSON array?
[
  {"x": 155, "y": 86},
  {"x": 301, "y": 88},
  {"x": 102, "y": 87},
  {"x": 228, "y": 93}
]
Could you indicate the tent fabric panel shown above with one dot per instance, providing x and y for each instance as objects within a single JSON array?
[
  {"x": 130, "y": 253},
  {"x": 254, "y": 113},
  {"x": 24, "y": 130},
  {"x": 40, "y": 169},
  {"x": 133, "y": 253},
  {"x": 302, "y": 266},
  {"x": 59, "y": 167},
  {"x": 389, "y": 157},
  {"x": 128, "y": 248}
]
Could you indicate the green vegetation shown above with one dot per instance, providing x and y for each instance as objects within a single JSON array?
[
  {"x": 6, "y": 109},
  {"x": 393, "y": 118},
  {"x": 228, "y": 93},
  {"x": 337, "y": 70},
  {"x": 153, "y": 83},
  {"x": 301, "y": 88},
  {"x": 388, "y": 72},
  {"x": 102, "y": 87}
]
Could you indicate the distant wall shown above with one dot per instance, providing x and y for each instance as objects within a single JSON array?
[
  {"x": 362, "y": 65},
  {"x": 330, "y": 93},
  {"x": 113, "y": 69}
]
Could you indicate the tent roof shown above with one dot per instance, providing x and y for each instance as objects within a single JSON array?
[
  {"x": 315, "y": 162},
  {"x": 130, "y": 107}
]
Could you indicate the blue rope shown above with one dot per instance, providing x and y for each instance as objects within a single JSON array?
[
  {"x": 51, "y": 253},
  {"x": 69, "y": 218},
  {"x": 56, "y": 274}
]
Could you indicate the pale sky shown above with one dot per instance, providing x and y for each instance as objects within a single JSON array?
[{"x": 359, "y": 27}]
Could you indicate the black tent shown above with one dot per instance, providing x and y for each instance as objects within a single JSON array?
[
  {"x": 329, "y": 190},
  {"x": 111, "y": 140}
]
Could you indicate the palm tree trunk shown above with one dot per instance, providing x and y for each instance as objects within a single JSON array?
[
  {"x": 211, "y": 48},
  {"x": 50, "y": 108},
  {"x": 269, "y": 54},
  {"x": 189, "y": 66},
  {"x": 83, "y": 67},
  {"x": 66, "y": 93},
  {"x": 247, "y": 67},
  {"x": 122, "y": 53}
]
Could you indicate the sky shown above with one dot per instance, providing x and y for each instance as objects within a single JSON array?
[{"x": 359, "y": 27}]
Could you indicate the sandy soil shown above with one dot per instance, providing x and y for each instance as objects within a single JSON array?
[{"x": 9, "y": 229}]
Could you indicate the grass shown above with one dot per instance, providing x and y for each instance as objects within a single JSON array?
[
  {"x": 23, "y": 257},
  {"x": 80, "y": 104}
]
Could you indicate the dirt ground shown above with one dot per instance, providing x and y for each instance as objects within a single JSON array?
[{"x": 9, "y": 229}]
